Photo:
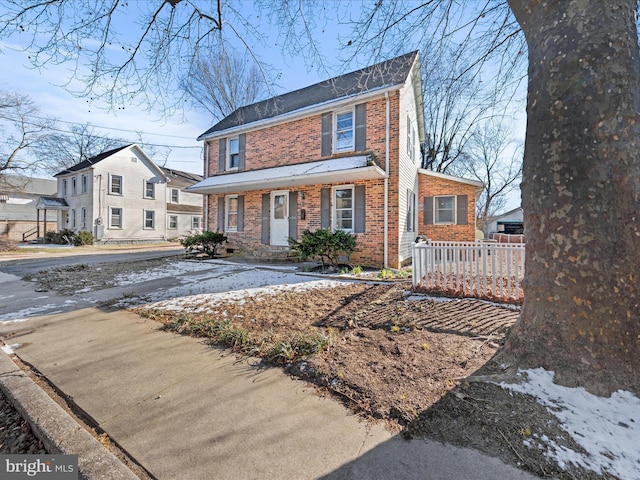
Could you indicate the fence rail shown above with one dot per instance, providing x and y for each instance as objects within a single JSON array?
[{"x": 486, "y": 270}]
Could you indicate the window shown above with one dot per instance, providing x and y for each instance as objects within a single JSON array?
[
  {"x": 73, "y": 218},
  {"x": 233, "y": 154},
  {"x": 231, "y": 214},
  {"x": 115, "y": 184},
  {"x": 411, "y": 140},
  {"x": 196, "y": 223},
  {"x": 445, "y": 208},
  {"x": 149, "y": 219},
  {"x": 115, "y": 217},
  {"x": 64, "y": 187},
  {"x": 344, "y": 131},
  {"x": 173, "y": 222},
  {"x": 343, "y": 208},
  {"x": 411, "y": 203},
  {"x": 83, "y": 217},
  {"x": 175, "y": 195},
  {"x": 149, "y": 189},
  {"x": 73, "y": 185},
  {"x": 83, "y": 184}
]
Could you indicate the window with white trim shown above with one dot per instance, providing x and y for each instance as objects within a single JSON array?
[
  {"x": 344, "y": 131},
  {"x": 444, "y": 210},
  {"x": 64, "y": 187},
  {"x": 343, "y": 200},
  {"x": 231, "y": 213},
  {"x": 115, "y": 184},
  {"x": 149, "y": 219},
  {"x": 411, "y": 211},
  {"x": 73, "y": 218},
  {"x": 196, "y": 222},
  {"x": 74, "y": 181},
  {"x": 233, "y": 153},
  {"x": 84, "y": 184},
  {"x": 411, "y": 140},
  {"x": 83, "y": 217},
  {"x": 173, "y": 222},
  {"x": 149, "y": 189},
  {"x": 175, "y": 195},
  {"x": 115, "y": 217}
]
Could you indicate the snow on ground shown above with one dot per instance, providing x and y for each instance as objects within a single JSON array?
[
  {"x": 230, "y": 282},
  {"x": 171, "y": 270},
  {"x": 607, "y": 428}
]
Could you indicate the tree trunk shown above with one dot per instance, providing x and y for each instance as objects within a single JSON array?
[{"x": 581, "y": 194}]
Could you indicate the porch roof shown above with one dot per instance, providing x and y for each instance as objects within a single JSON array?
[
  {"x": 344, "y": 169},
  {"x": 52, "y": 203}
]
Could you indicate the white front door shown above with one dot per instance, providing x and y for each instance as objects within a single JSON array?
[{"x": 279, "y": 227}]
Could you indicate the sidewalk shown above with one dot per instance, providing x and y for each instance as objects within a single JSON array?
[{"x": 185, "y": 410}]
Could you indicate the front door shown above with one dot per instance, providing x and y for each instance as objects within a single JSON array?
[{"x": 279, "y": 227}]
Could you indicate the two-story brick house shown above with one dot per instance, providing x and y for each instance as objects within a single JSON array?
[
  {"x": 121, "y": 195},
  {"x": 344, "y": 154}
]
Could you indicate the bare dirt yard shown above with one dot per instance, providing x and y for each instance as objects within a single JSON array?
[{"x": 424, "y": 366}]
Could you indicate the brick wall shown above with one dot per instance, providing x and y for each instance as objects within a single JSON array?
[{"x": 430, "y": 186}]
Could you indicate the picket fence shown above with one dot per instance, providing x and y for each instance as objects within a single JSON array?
[{"x": 488, "y": 270}]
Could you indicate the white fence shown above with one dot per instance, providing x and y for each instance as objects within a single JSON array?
[{"x": 484, "y": 269}]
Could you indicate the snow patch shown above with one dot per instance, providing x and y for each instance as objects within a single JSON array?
[{"x": 607, "y": 428}]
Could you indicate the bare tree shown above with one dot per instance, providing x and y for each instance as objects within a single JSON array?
[
  {"x": 222, "y": 82},
  {"x": 22, "y": 129},
  {"x": 495, "y": 160}
]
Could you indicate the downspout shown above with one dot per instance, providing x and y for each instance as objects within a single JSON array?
[
  {"x": 385, "y": 241},
  {"x": 206, "y": 175}
]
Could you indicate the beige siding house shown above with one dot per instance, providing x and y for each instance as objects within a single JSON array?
[{"x": 122, "y": 196}]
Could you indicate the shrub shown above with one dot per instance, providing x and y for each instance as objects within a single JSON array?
[
  {"x": 83, "y": 238},
  {"x": 206, "y": 242},
  {"x": 63, "y": 237},
  {"x": 324, "y": 244}
]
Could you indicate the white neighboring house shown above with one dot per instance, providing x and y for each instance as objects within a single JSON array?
[
  {"x": 510, "y": 222},
  {"x": 122, "y": 196}
]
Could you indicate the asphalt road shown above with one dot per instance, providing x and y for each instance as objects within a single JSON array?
[{"x": 20, "y": 299}]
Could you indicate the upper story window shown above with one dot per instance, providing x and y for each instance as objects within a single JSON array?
[
  {"x": 343, "y": 200},
  {"x": 445, "y": 209},
  {"x": 233, "y": 154},
  {"x": 115, "y": 184},
  {"x": 411, "y": 140},
  {"x": 84, "y": 184},
  {"x": 149, "y": 189},
  {"x": 73, "y": 185},
  {"x": 344, "y": 131},
  {"x": 64, "y": 187},
  {"x": 175, "y": 195}
]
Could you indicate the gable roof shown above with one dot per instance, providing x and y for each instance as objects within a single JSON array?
[
  {"x": 92, "y": 161},
  {"x": 178, "y": 178},
  {"x": 385, "y": 74},
  {"x": 104, "y": 155}
]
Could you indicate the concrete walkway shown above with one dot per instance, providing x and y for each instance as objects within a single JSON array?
[{"x": 185, "y": 410}]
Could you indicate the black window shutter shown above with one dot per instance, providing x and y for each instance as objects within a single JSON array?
[
  {"x": 360, "y": 209},
  {"x": 220, "y": 214},
  {"x": 242, "y": 142},
  {"x": 240, "y": 213},
  {"x": 325, "y": 208},
  {"x": 361, "y": 127},
  {"x": 327, "y": 134},
  {"x": 462, "y": 210},
  {"x": 293, "y": 215},
  {"x": 264, "y": 235},
  {"x": 428, "y": 210},
  {"x": 222, "y": 154}
]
